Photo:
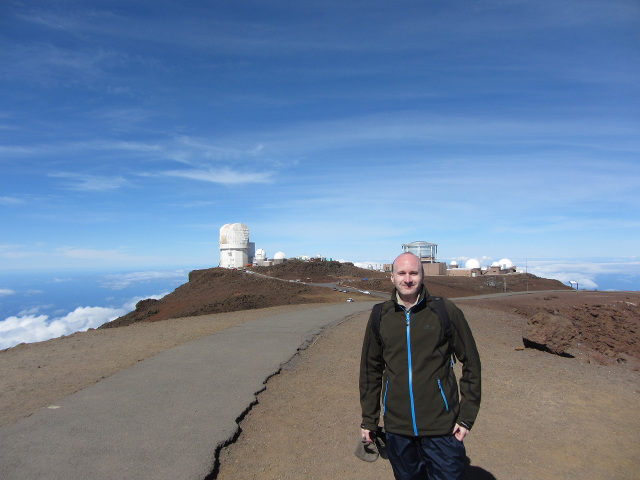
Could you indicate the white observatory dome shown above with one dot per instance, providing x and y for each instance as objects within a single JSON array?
[
  {"x": 453, "y": 263},
  {"x": 261, "y": 254},
  {"x": 472, "y": 263},
  {"x": 279, "y": 256},
  {"x": 495, "y": 264},
  {"x": 505, "y": 264},
  {"x": 234, "y": 234}
]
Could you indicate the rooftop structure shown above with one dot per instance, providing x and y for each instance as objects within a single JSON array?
[{"x": 425, "y": 251}]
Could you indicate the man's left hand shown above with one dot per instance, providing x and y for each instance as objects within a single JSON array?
[{"x": 460, "y": 432}]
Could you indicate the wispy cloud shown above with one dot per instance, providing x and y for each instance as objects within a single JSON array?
[
  {"x": 90, "y": 183},
  {"x": 118, "y": 282},
  {"x": 6, "y": 291},
  {"x": 95, "y": 254},
  {"x": 50, "y": 65},
  {"x": 19, "y": 251},
  {"x": 223, "y": 176},
  {"x": 8, "y": 201}
]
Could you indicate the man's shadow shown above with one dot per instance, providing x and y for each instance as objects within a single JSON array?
[{"x": 477, "y": 473}]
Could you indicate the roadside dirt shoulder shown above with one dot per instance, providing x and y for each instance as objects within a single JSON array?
[{"x": 542, "y": 416}]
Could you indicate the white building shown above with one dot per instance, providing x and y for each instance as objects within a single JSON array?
[
  {"x": 235, "y": 249},
  {"x": 260, "y": 257}
]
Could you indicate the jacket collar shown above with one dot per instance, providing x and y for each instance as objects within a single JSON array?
[{"x": 421, "y": 297}]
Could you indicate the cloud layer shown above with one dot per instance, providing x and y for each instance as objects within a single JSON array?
[{"x": 28, "y": 327}]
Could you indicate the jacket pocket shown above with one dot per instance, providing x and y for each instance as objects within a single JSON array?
[{"x": 444, "y": 397}]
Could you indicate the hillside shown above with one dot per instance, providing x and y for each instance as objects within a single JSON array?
[
  {"x": 453, "y": 287},
  {"x": 603, "y": 326},
  {"x": 318, "y": 272},
  {"x": 219, "y": 290}
]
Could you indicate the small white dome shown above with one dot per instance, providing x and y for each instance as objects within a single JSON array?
[
  {"x": 279, "y": 256},
  {"x": 472, "y": 263},
  {"x": 495, "y": 264},
  {"x": 505, "y": 264},
  {"x": 453, "y": 263},
  {"x": 260, "y": 253}
]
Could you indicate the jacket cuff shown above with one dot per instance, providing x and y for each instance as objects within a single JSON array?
[
  {"x": 372, "y": 427},
  {"x": 464, "y": 424}
]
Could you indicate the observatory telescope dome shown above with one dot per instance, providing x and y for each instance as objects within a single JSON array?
[
  {"x": 495, "y": 264},
  {"x": 279, "y": 256},
  {"x": 453, "y": 263},
  {"x": 261, "y": 254},
  {"x": 472, "y": 263},
  {"x": 234, "y": 234},
  {"x": 505, "y": 264}
]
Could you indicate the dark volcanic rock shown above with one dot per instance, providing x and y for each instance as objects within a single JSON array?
[{"x": 549, "y": 332}]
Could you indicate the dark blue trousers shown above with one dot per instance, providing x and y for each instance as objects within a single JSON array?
[{"x": 422, "y": 458}]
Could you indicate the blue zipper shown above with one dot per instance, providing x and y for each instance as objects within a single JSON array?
[
  {"x": 413, "y": 407},
  {"x": 384, "y": 400},
  {"x": 444, "y": 397}
]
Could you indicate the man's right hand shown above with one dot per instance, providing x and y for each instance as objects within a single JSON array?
[{"x": 366, "y": 435}]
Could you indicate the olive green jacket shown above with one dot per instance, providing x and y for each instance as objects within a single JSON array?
[{"x": 411, "y": 367}]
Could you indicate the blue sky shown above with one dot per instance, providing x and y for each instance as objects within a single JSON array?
[{"x": 130, "y": 132}]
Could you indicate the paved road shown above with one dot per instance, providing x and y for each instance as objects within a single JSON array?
[
  {"x": 509, "y": 294},
  {"x": 167, "y": 416}
]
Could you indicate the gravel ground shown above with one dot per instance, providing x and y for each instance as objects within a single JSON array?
[{"x": 542, "y": 416}]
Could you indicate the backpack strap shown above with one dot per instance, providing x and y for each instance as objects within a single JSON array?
[
  {"x": 443, "y": 315},
  {"x": 376, "y": 314},
  {"x": 445, "y": 325}
]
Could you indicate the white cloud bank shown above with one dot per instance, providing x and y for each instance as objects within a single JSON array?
[
  {"x": 6, "y": 291},
  {"x": 590, "y": 275},
  {"x": 28, "y": 327}
]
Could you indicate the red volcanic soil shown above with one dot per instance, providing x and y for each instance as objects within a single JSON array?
[
  {"x": 606, "y": 324},
  {"x": 456, "y": 287},
  {"x": 219, "y": 290},
  {"x": 318, "y": 272}
]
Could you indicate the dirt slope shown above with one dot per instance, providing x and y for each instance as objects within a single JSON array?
[
  {"x": 607, "y": 324},
  {"x": 219, "y": 290}
]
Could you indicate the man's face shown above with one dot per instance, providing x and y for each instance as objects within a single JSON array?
[{"x": 407, "y": 275}]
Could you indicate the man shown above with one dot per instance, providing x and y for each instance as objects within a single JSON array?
[{"x": 409, "y": 359}]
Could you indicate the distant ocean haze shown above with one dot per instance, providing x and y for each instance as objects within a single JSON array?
[{"x": 37, "y": 306}]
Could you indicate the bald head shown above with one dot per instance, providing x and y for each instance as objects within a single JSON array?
[
  {"x": 407, "y": 275},
  {"x": 407, "y": 259}
]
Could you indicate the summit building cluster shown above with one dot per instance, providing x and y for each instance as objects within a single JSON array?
[
  {"x": 428, "y": 253},
  {"x": 236, "y": 251}
]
